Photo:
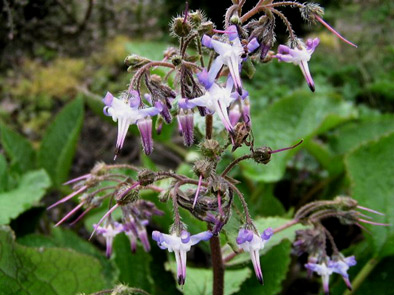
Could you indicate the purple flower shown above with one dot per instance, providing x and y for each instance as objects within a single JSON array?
[
  {"x": 230, "y": 55},
  {"x": 186, "y": 125},
  {"x": 322, "y": 270},
  {"x": 235, "y": 114},
  {"x": 126, "y": 112},
  {"x": 217, "y": 99},
  {"x": 109, "y": 231},
  {"x": 250, "y": 242},
  {"x": 180, "y": 245},
  {"x": 341, "y": 266},
  {"x": 300, "y": 56},
  {"x": 145, "y": 128}
]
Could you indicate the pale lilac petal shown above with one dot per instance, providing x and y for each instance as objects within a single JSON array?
[
  {"x": 234, "y": 115},
  {"x": 232, "y": 33},
  {"x": 253, "y": 45},
  {"x": 255, "y": 257},
  {"x": 220, "y": 47},
  {"x": 244, "y": 235},
  {"x": 204, "y": 79},
  {"x": 215, "y": 68},
  {"x": 185, "y": 236},
  {"x": 267, "y": 234},
  {"x": 108, "y": 98},
  {"x": 203, "y": 236},
  {"x": 206, "y": 41},
  {"x": 305, "y": 71}
]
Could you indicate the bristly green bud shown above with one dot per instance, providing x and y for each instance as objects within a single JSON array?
[
  {"x": 211, "y": 148},
  {"x": 125, "y": 196},
  {"x": 235, "y": 20},
  {"x": 180, "y": 27},
  {"x": 135, "y": 62},
  {"x": 146, "y": 177},
  {"x": 262, "y": 155},
  {"x": 346, "y": 203},
  {"x": 206, "y": 28},
  {"x": 196, "y": 18},
  {"x": 176, "y": 60},
  {"x": 310, "y": 10},
  {"x": 99, "y": 169},
  {"x": 164, "y": 196},
  {"x": 203, "y": 167}
]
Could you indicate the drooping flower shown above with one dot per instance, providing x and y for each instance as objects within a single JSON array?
[
  {"x": 126, "y": 111},
  {"x": 340, "y": 265},
  {"x": 230, "y": 55},
  {"x": 136, "y": 217},
  {"x": 109, "y": 231},
  {"x": 300, "y": 56},
  {"x": 216, "y": 100},
  {"x": 180, "y": 245},
  {"x": 324, "y": 270},
  {"x": 250, "y": 242}
]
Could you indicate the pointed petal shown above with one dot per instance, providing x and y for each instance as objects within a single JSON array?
[
  {"x": 305, "y": 71},
  {"x": 70, "y": 196}
]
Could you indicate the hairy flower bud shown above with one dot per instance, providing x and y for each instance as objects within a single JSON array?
[
  {"x": 206, "y": 28},
  {"x": 135, "y": 62},
  {"x": 196, "y": 17},
  {"x": 180, "y": 27},
  {"x": 146, "y": 177},
  {"x": 203, "y": 167},
  {"x": 310, "y": 10},
  {"x": 210, "y": 148},
  {"x": 125, "y": 195},
  {"x": 262, "y": 155}
]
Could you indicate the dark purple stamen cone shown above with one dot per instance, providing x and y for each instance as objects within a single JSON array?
[
  {"x": 145, "y": 128},
  {"x": 165, "y": 113},
  {"x": 186, "y": 122}
]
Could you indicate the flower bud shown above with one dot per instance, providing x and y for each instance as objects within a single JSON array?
[
  {"x": 125, "y": 195},
  {"x": 180, "y": 27},
  {"x": 196, "y": 17},
  {"x": 203, "y": 167},
  {"x": 262, "y": 155},
  {"x": 310, "y": 10},
  {"x": 206, "y": 28},
  {"x": 211, "y": 148},
  {"x": 146, "y": 177},
  {"x": 135, "y": 62}
]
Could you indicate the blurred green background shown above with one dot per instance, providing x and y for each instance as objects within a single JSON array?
[{"x": 58, "y": 58}]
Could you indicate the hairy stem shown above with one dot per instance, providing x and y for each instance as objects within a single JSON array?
[
  {"x": 235, "y": 162},
  {"x": 208, "y": 126},
  {"x": 217, "y": 265}
]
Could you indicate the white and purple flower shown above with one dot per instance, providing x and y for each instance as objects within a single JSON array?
[
  {"x": 180, "y": 245},
  {"x": 251, "y": 242},
  {"x": 327, "y": 267},
  {"x": 300, "y": 56},
  {"x": 216, "y": 100},
  {"x": 126, "y": 111},
  {"x": 341, "y": 266},
  {"x": 230, "y": 55},
  {"x": 109, "y": 231}
]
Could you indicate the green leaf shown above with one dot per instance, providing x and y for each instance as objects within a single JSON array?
[
  {"x": 31, "y": 189},
  {"x": 199, "y": 280},
  {"x": 134, "y": 268},
  {"x": 59, "y": 142},
  {"x": 370, "y": 168},
  {"x": 3, "y": 174},
  {"x": 19, "y": 150},
  {"x": 62, "y": 238},
  {"x": 45, "y": 271},
  {"x": 286, "y": 122},
  {"x": 262, "y": 224},
  {"x": 353, "y": 134},
  {"x": 274, "y": 266}
]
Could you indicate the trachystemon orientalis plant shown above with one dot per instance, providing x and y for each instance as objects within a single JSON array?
[{"x": 205, "y": 72}]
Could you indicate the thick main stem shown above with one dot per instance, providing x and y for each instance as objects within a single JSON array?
[{"x": 217, "y": 265}]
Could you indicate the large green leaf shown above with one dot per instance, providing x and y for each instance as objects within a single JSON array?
[
  {"x": 287, "y": 121},
  {"x": 134, "y": 268},
  {"x": 353, "y": 134},
  {"x": 3, "y": 174},
  {"x": 31, "y": 189},
  {"x": 58, "y": 145},
  {"x": 274, "y": 265},
  {"x": 18, "y": 149},
  {"x": 61, "y": 238},
  {"x": 371, "y": 169},
  {"x": 45, "y": 271},
  {"x": 199, "y": 280},
  {"x": 262, "y": 224}
]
